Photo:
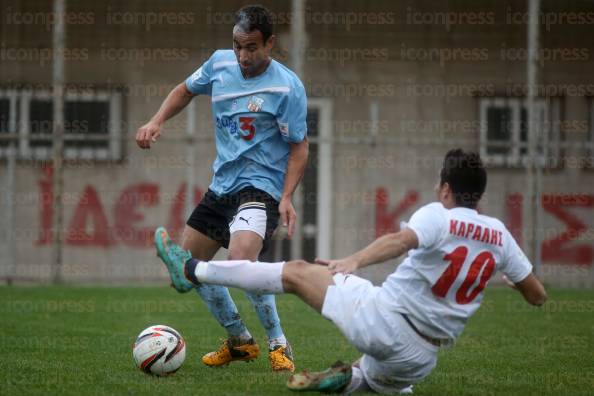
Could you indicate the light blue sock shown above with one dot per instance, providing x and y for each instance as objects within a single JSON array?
[
  {"x": 265, "y": 306},
  {"x": 221, "y": 306}
]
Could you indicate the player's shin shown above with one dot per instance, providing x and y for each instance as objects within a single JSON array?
[
  {"x": 256, "y": 277},
  {"x": 221, "y": 306},
  {"x": 265, "y": 306}
]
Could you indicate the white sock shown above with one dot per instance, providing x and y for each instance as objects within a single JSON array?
[
  {"x": 253, "y": 276},
  {"x": 282, "y": 340},
  {"x": 357, "y": 384}
]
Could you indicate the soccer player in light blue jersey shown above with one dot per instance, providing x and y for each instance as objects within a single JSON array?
[{"x": 259, "y": 108}]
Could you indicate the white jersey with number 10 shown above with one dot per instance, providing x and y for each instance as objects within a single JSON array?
[{"x": 440, "y": 284}]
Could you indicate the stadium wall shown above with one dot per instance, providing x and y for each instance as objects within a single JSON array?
[{"x": 425, "y": 66}]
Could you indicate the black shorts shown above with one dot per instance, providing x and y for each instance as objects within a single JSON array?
[{"x": 214, "y": 213}]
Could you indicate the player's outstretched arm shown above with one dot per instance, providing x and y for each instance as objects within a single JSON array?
[
  {"x": 531, "y": 288},
  {"x": 384, "y": 248},
  {"x": 177, "y": 99}
]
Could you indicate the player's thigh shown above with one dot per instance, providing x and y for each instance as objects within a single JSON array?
[
  {"x": 308, "y": 281},
  {"x": 201, "y": 246},
  {"x": 381, "y": 377},
  {"x": 410, "y": 361},
  {"x": 211, "y": 219},
  {"x": 257, "y": 213},
  {"x": 395, "y": 355}
]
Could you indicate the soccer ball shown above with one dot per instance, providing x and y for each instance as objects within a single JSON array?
[{"x": 159, "y": 350}]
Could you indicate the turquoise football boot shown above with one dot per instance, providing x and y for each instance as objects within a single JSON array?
[
  {"x": 174, "y": 258},
  {"x": 333, "y": 380}
]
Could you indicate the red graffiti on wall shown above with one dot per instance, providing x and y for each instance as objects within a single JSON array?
[
  {"x": 564, "y": 247},
  {"x": 560, "y": 248},
  {"x": 386, "y": 221},
  {"x": 89, "y": 210},
  {"x": 90, "y": 225}
]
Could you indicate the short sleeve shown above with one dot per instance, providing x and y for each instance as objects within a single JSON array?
[
  {"x": 292, "y": 115},
  {"x": 516, "y": 265},
  {"x": 199, "y": 82},
  {"x": 429, "y": 223}
]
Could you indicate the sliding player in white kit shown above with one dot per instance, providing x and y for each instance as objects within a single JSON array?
[{"x": 452, "y": 253}]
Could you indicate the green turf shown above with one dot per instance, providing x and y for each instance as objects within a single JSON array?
[{"x": 66, "y": 340}]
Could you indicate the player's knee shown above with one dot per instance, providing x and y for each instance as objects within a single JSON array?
[
  {"x": 240, "y": 252},
  {"x": 293, "y": 273},
  {"x": 237, "y": 255}
]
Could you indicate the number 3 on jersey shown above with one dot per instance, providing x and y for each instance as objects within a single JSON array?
[
  {"x": 483, "y": 265},
  {"x": 245, "y": 124}
]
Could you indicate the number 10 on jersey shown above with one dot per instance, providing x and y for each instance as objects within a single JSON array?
[{"x": 483, "y": 265}]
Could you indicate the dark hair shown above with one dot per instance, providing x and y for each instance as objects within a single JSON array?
[
  {"x": 466, "y": 175},
  {"x": 255, "y": 17}
]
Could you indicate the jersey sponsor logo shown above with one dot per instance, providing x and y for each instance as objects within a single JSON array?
[
  {"x": 245, "y": 129},
  {"x": 229, "y": 124},
  {"x": 476, "y": 232},
  {"x": 255, "y": 103}
]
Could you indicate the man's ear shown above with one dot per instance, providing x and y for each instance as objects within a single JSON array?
[
  {"x": 446, "y": 190},
  {"x": 270, "y": 42}
]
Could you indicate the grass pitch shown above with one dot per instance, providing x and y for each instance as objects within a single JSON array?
[{"x": 73, "y": 340}]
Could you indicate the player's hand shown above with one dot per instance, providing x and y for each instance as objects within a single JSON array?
[
  {"x": 288, "y": 215},
  {"x": 147, "y": 134},
  {"x": 344, "y": 266}
]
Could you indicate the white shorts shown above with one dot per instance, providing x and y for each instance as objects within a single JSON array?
[
  {"x": 395, "y": 356},
  {"x": 251, "y": 216}
]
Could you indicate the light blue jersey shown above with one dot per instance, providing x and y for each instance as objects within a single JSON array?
[{"x": 255, "y": 120}]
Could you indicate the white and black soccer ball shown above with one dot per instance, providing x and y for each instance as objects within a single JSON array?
[{"x": 159, "y": 350}]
